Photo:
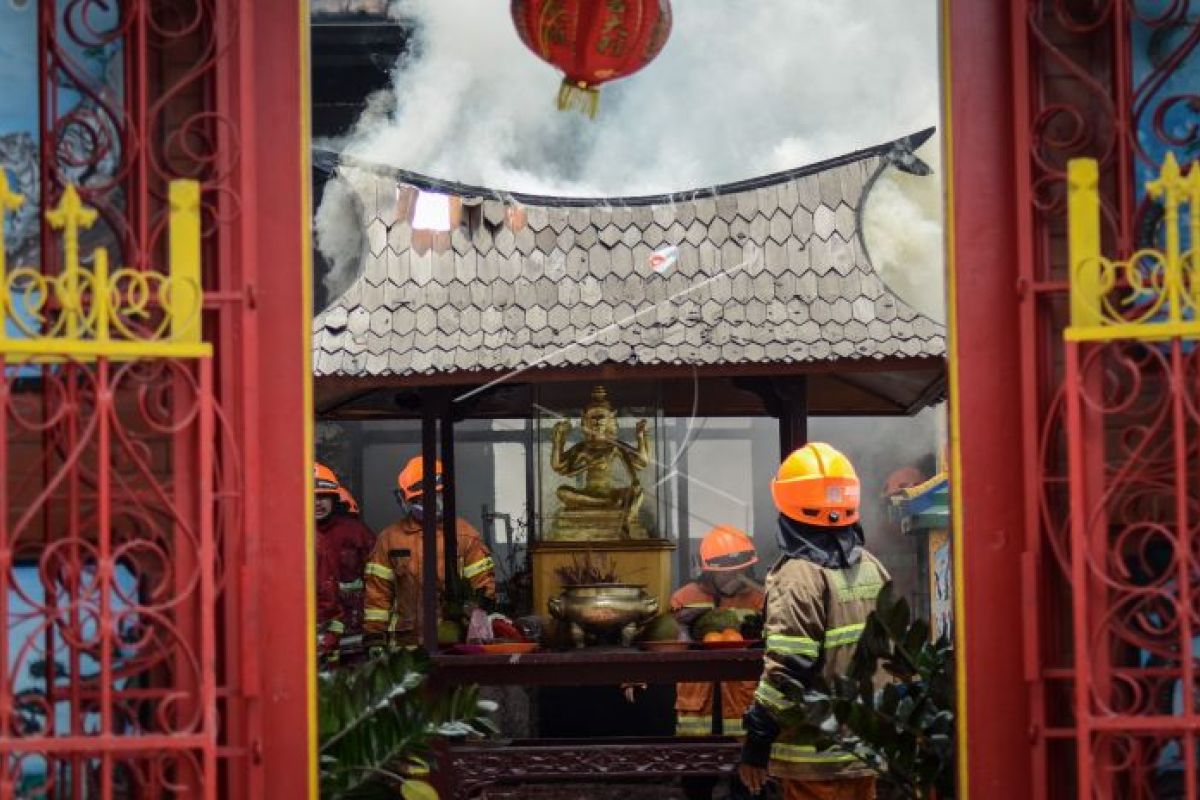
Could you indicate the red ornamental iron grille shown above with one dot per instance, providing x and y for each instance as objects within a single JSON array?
[
  {"x": 124, "y": 554},
  {"x": 1110, "y": 438},
  {"x": 108, "y": 581},
  {"x": 1132, "y": 422}
]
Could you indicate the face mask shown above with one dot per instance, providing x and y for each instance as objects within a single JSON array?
[
  {"x": 727, "y": 583},
  {"x": 415, "y": 508},
  {"x": 418, "y": 509}
]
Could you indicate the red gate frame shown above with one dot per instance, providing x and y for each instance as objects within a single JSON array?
[
  {"x": 274, "y": 107},
  {"x": 268, "y": 98},
  {"x": 263, "y": 731},
  {"x": 987, "y": 481}
]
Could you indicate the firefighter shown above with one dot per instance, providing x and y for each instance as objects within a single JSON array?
[
  {"x": 818, "y": 597},
  {"x": 726, "y": 556},
  {"x": 343, "y": 545},
  {"x": 393, "y": 573}
]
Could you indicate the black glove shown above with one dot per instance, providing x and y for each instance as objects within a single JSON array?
[{"x": 761, "y": 731}]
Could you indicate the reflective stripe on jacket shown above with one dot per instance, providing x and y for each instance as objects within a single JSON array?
[
  {"x": 392, "y": 576},
  {"x": 815, "y": 616},
  {"x": 701, "y": 724},
  {"x": 694, "y": 701}
]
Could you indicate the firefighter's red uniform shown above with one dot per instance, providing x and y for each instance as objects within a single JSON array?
[{"x": 343, "y": 546}]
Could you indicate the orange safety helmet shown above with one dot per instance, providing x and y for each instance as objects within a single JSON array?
[
  {"x": 348, "y": 500},
  {"x": 326, "y": 480},
  {"x": 409, "y": 481},
  {"x": 817, "y": 485},
  {"x": 725, "y": 548}
]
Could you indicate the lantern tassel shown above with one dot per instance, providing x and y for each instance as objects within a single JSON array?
[{"x": 579, "y": 96}]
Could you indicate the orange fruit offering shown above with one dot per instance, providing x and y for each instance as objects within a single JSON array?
[
  {"x": 731, "y": 635},
  {"x": 714, "y": 636}
]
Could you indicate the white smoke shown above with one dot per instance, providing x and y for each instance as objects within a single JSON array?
[
  {"x": 743, "y": 88},
  {"x": 339, "y": 235},
  {"x": 902, "y": 224}
]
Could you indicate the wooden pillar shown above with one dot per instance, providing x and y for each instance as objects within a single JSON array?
[
  {"x": 792, "y": 397},
  {"x": 355, "y": 478},
  {"x": 531, "y": 532},
  {"x": 718, "y": 710},
  {"x": 684, "y": 537},
  {"x": 449, "y": 494},
  {"x": 429, "y": 526}
]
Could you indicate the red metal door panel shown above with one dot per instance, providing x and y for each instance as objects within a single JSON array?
[
  {"x": 109, "y": 604},
  {"x": 1135, "y": 568},
  {"x": 1031, "y": 85},
  {"x": 153, "y": 506},
  {"x": 1079, "y": 91}
]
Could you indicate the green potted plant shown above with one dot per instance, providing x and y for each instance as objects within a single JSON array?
[{"x": 378, "y": 723}]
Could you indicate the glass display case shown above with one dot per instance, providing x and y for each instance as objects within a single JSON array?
[
  {"x": 600, "y": 465},
  {"x": 601, "y": 486}
]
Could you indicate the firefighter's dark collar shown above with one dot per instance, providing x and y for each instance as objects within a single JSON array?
[{"x": 833, "y": 548}]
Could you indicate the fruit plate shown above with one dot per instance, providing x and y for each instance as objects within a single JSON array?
[
  {"x": 736, "y": 644},
  {"x": 509, "y": 648},
  {"x": 664, "y": 646}
]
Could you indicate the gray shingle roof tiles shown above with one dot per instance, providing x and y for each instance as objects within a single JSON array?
[{"x": 768, "y": 271}]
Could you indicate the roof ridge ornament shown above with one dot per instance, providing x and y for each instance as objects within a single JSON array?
[{"x": 903, "y": 154}]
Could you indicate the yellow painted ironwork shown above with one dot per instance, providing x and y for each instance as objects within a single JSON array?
[
  {"x": 89, "y": 312},
  {"x": 9, "y": 201},
  {"x": 1152, "y": 295},
  {"x": 71, "y": 216},
  {"x": 185, "y": 296},
  {"x": 1083, "y": 212}
]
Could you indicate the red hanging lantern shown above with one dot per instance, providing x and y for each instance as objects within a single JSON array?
[{"x": 592, "y": 41}]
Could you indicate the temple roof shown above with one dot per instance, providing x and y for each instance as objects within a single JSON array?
[{"x": 768, "y": 271}]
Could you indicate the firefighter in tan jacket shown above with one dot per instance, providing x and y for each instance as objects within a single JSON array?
[
  {"x": 392, "y": 608},
  {"x": 818, "y": 597}
]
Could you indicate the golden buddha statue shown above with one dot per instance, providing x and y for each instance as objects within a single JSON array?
[{"x": 600, "y": 509}]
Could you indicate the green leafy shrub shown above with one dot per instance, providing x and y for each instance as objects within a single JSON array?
[{"x": 377, "y": 723}]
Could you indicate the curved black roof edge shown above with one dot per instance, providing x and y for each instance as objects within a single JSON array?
[{"x": 329, "y": 160}]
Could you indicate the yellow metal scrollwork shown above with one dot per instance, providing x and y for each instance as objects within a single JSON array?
[
  {"x": 1152, "y": 295},
  {"x": 87, "y": 312}
]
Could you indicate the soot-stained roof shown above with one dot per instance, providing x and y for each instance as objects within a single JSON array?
[{"x": 766, "y": 271}]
